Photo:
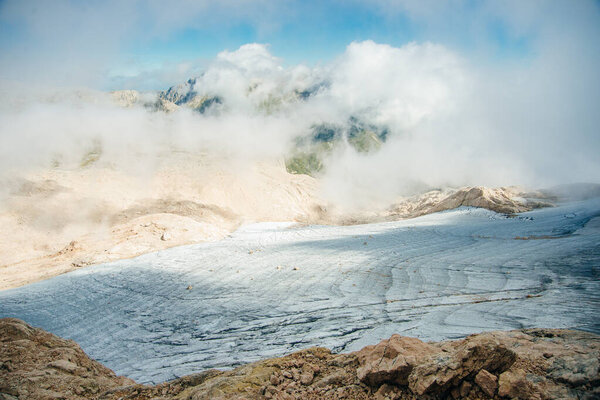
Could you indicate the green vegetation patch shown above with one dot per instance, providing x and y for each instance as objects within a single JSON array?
[
  {"x": 365, "y": 141},
  {"x": 92, "y": 155},
  {"x": 308, "y": 163}
]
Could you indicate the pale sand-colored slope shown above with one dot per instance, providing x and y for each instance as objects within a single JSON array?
[{"x": 57, "y": 220}]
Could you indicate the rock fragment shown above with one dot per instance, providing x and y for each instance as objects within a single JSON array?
[
  {"x": 392, "y": 360},
  {"x": 514, "y": 385},
  {"x": 487, "y": 382},
  {"x": 307, "y": 377}
]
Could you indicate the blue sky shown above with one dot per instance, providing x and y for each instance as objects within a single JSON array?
[
  {"x": 316, "y": 31},
  {"x": 104, "y": 43}
]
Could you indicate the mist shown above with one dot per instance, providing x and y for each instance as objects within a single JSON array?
[{"x": 454, "y": 116}]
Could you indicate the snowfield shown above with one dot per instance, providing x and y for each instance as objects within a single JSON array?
[{"x": 273, "y": 288}]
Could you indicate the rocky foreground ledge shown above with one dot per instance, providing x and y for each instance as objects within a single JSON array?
[{"x": 523, "y": 364}]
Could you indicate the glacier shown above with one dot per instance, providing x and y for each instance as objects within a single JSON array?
[{"x": 273, "y": 288}]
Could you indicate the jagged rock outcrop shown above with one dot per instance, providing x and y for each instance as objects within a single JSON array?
[
  {"x": 186, "y": 95},
  {"x": 526, "y": 364},
  {"x": 181, "y": 93}
]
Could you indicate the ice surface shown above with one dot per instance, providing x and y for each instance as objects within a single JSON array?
[{"x": 270, "y": 289}]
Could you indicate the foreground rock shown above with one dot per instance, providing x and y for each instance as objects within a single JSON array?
[
  {"x": 526, "y": 364},
  {"x": 35, "y": 364}
]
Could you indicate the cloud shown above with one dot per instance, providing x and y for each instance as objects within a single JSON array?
[
  {"x": 399, "y": 86},
  {"x": 456, "y": 116},
  {"x": 72, "y": 43}
]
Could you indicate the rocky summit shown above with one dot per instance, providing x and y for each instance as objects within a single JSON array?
[{"x": 521, "y": 364}]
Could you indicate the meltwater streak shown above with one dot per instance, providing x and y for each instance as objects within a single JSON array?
[{"x": 270, "y": 289}]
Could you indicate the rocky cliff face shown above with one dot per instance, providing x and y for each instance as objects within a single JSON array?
[{"x": 526, "y": 364}]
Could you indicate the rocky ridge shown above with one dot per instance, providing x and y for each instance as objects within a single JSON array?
[
  {"x": 523, "y": 364},
  {"x": 504, "y": 200}
]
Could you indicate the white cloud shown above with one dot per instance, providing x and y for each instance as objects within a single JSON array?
[
  {"x": 399, "y": 86},
  {"x": 455, "y": 117}
]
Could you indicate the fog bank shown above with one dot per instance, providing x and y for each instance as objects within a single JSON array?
[{"x": 444, "y": 116}]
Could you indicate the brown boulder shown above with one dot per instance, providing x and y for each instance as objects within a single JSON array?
[
  {"x": 392, "y": 360},
  {"x": 307, "y": 377},
  {"x": 487, "y": 382},
  {"x": 462, "y": 359},
  {"x": 514, "y": 385}
]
